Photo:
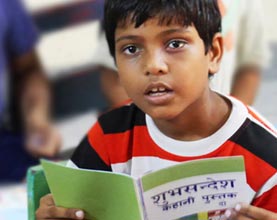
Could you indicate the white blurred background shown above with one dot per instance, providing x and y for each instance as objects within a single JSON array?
[{"x": 266, "y": 101}]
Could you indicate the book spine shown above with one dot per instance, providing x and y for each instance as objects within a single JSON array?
[
  {"x": 141, "y": 200},
  {"x": 30, "y": 195}
]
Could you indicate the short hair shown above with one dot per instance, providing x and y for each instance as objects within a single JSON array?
[{"x": 203, "y": 14}]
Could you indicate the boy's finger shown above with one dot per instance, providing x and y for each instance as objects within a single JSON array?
[
  {"x": 47, "y": 200},
  {"x": 48, "y": 210},
  {"x": 231, "y": 214},
  {"x": 54, "y": 212},
  {"x": 65, "y": 213},
  {"x": 255, "y": 212}
]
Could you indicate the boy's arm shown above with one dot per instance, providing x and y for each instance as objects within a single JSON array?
[
  {"x": 246, "y": 84},
  {"x": 30, "y": 90},
  {"x": 252, "y": 53},
  {"x": 33, "y": 91}
]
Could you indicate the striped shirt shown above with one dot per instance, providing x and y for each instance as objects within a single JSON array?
[{"x": 126, "y": 140}]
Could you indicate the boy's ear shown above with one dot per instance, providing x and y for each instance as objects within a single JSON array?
[{"x": 215, "y": 53}]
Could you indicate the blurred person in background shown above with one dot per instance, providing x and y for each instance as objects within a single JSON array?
[
  {"x": 245, "y": 52},
  {"x": 245, "y": 55},
  {"x": 20, "y": 71},
  {"x": 109, "y": 80}
]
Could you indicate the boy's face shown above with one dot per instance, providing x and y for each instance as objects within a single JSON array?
[{"x": 164, "y": 69}]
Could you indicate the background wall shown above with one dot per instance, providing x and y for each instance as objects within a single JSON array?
[{"x": 266, "y": 101}]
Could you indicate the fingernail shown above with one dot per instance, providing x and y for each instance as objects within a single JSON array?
[
  {"x": 238, "y": 207},
  {"x": 227, "y": 213},
  {"x": 79, "y": 214}
]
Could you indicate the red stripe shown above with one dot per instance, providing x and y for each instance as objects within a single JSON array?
[
  {"x": 253, "y": 165},
  {"x": 260, "y": 120},
  {"x": 96, "y": 140},
  {"x": 132, "y": 143},
  {"x": 121, "y": 147},
  {"x": 262, "y": 201},
  {"x": 137, "y": 143}
]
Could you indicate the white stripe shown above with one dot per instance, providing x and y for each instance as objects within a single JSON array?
[
  {"x": 203, "y": 146},
  {"x": 71, "y": 164},
  {"x": 138, "y": 166},
  {"x": 268, "y": 185}
]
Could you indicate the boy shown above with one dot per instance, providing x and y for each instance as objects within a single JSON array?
[{"x": 165, "y": 52}]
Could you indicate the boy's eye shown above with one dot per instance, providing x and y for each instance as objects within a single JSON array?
[
  {"x": 175, "y": 44},
  {"x": 130, "y": 49}
]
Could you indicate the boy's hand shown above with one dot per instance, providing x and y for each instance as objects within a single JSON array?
[
  {"x": 43, "y": 140},
  {"x": 48, "y": 210},
  {"x": 248, "y": 212}
]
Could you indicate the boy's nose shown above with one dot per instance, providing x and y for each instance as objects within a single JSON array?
[{"x": 156, "y": 64}]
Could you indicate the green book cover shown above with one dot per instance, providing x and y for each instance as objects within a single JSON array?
[
  {"x": 103, "y": 195},
  {"x": 36, "y": 188},
  {"x": 191, "y": 190}
]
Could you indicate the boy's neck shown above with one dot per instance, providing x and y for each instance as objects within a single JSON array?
[{"x": 192, "y": 126}]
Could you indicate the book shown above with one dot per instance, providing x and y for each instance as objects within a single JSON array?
[
  {"x": 197, "y": 189},
  {"x": 36, "y": 188}
]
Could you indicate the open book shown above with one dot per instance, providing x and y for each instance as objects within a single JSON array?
[{"x": 199, "y": 189}]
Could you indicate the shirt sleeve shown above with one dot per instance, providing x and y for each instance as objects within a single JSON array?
[
  {"x": 267, "y": 195},
  {"x": 253, "y": 48},
  {"x": 22, "y": 34},
  {"x": 91, "y": 152}
]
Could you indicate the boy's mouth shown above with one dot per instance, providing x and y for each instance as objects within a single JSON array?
[
  {"x": 157, "y": 88},
  {"x": 158, "y": 93}
]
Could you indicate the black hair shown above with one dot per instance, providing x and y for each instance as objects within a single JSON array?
[{"x": 203, "y": 14}]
